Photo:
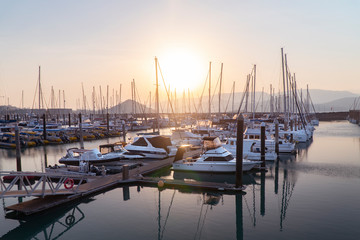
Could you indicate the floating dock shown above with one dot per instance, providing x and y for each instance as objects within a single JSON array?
[{"x": 94, "y": 184}]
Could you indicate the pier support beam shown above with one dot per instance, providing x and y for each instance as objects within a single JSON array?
[
  {"x": 262, "y": 145},
  {"x": 18, "y": 153},
  {"x": 239, "y": 151},
  {"x": 277, "y": 137}
]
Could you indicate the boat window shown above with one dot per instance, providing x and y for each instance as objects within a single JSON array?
[
  {"x": 219, "y": 159},
  {"x": 140, "y": 142}
]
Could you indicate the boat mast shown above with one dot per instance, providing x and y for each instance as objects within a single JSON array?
[
  {"x": 157, "y": 95},
  {"x": 254, "y": 92},
  {"x": 284, "y": 85},
  {"x": 221, "y": 72},
  {"x": 210, "y": 89},
  {"x": 39, "y": 90}
]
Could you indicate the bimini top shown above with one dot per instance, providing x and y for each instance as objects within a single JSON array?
[{"x": 211, "y": 142}]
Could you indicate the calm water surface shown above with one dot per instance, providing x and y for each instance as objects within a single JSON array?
[{"x": 313, "y": 195}]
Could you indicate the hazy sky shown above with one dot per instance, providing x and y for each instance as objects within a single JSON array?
[{"x": 112, "y": 42}]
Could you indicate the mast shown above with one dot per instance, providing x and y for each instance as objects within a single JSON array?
[
  {"x": 189, "y": 100},
  {"x": 209, "y": 89},
  {"x": 39, "y": 90},
  {"x": 233, "y": 97},
  {"x": 254, "y": 91},
  {"x": 284, "y": 85},
  {"x": 221, "y": 72},
  {"x": 157, "y": 95},
  {"x": 64, "y": 97}
]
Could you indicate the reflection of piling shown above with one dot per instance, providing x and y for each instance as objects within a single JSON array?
[
  {"x": 126, "y": 193},
  {"x": 81, "y": 132},
  {"x": 277, "y": 137},
  {"x": 263, "y": 145},
  {"x": 18, "y": 154},
  {"x": 262, "y": 194},
  {"x": 239, "y": 150},
  {"x": 239, "y": 217},
  {"x": 276, "y": 181},
  {"x": 44, "y": 126}
]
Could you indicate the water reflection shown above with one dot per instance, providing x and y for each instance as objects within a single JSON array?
[{"x": 51, "y": 225}]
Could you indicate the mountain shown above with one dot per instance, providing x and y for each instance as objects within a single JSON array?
[
  {"x": 127, "y": 107},
  {"x": 339, "y": 105},
  {"x": 320, "y": 96}
]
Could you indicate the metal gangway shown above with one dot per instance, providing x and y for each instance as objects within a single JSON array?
[{"x": 39, "y": 184}]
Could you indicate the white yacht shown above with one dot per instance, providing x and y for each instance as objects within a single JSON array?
[
  {"x": 214, "y": 159},
  {"x": 75, "y": 155},
  {"x": 182, "y": 136},
  {"x": 152, "y": 146},
  {"x": 251, "y": 151},
  {"x": 285, "y": 146}
]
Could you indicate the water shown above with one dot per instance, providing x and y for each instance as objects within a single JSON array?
[{"x": 314, "y": 195}]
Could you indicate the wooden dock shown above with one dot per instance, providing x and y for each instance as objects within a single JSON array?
[{"x": 102, "y": 183}]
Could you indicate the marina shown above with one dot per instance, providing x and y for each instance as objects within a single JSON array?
[
  {"x": 295, "y": 187},
  {"x": 179, "y": 120}
]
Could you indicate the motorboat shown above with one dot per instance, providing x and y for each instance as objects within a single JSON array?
[
  {"x": 251, "y": 151},
  {"x": 182, "y": 136},
  {"x": 285, "y": 146},
  {"x": 152, "y": 146},
  {"x": 117, "y": 150},
  {"x": 91, "y": 156},
  {"x": 214, "y": 159}
]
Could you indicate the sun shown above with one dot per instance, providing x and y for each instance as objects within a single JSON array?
[{"x": 183, "y": 69}]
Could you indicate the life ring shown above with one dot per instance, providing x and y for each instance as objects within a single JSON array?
[
  {"x": 69, "y": 183},
  {"x": 69, "y": 220}
]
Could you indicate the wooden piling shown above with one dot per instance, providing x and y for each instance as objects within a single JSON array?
[
  {"x": 18, "y": 146},
  {"x": 262, "y": 145},
  {"x": 239, "y": 151},
  {"x": 44, "y": 127},
  {"x": 125, "y": 172},
  {"x": 277, "y": 137},
  {"x": 81, "y": 132},
  {"x": 107, "y": 123},
  {"x": 69, "y": 120}
]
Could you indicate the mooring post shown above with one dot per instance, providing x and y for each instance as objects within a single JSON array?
[
  {"x": 18, "y": 146},
  {"x": 262, "y": 145},
  {"x": 69, "y": 120},
  {"x": 44, "y": 126},
  {"x": 107, "y": 123},
  {"x": 124, "y": 131},
  {"x": 239, "y": 150},
  {"x": 125, "y": 172},
  {"x": 277, "y": 137},
  {"x": 81, "y": 132}
]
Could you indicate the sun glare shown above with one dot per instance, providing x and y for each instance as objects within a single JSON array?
[{"x": 182, "y": 70}]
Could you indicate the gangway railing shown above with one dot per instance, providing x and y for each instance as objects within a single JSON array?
[{"x": 38, "y": 184}]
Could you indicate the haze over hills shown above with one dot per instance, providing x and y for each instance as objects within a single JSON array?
[{"x": 323, "y": 100}]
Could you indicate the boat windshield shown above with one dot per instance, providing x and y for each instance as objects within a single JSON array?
[{"x": 219, "y": 159}]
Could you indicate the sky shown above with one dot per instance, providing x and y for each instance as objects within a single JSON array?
[{"x": 93, "y": 43}]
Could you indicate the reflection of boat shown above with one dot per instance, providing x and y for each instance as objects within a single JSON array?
[
  {"x": 75, "y": 155},
  {"x": 215, "y": 159},
  {"x": 208, "y": 177}
]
